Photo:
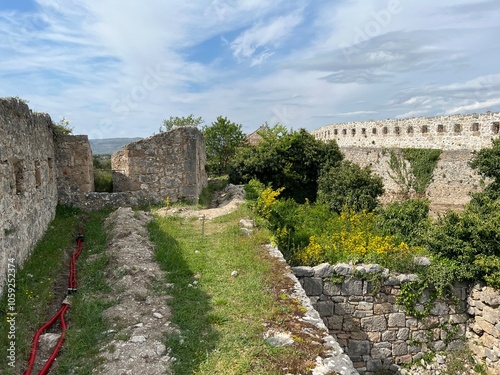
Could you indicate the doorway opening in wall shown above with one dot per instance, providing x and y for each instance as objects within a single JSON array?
[{"x": 103, "y": 175}]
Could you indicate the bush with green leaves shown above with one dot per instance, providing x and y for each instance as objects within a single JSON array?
[
  {"x": 406, "y": 220},
  {"x": 289, "y": 159},
  {"x": 349, "y": 185}
]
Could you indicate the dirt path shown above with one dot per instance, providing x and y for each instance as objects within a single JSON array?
[{"x": 140, "y": 318}]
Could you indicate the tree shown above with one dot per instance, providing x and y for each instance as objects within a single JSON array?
[
  {"x": 175, "y": 121},
  {"x": 223, "y": 138},
  {"x": 349, "y": 185},
  {"x": 487, "y": 163},
  {"x": 292, "y": 160}
]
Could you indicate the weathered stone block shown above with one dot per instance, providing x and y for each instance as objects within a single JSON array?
[
  {"x": 374, "y": 324},
  {"x": 313, "y": 286},
  {"x": 358, "y": 348},
  {"x": 331, "y": 289},
  {"x": 334, "y": 323},
  {"x": 323, "y": 270},
  {"x": 396, "y": 320},
  {"x": 303, "y": 271},
  {"x": 399, "y": 349},
  {"x": 352, "y": 287},
  {"x": 325, "y": 308}
]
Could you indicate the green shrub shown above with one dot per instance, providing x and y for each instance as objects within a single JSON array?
[
  {"x": 349, "y": 185},
  {"x": 407, "y": 220},
  {"x": 103, "y": 181}
]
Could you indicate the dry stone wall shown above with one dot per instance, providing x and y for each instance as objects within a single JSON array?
[
  {"x": 362, "y": 315},
  {"x": 170, "y": 164},
  {"x": 484, "y": 329},
  {"x": 28, "y": 191}
]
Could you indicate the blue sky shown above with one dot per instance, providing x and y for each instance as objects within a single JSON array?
[{"x": 118, "y": 68}]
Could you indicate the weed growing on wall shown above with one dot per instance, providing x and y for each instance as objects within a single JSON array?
[{"x": 413, "y": 168}]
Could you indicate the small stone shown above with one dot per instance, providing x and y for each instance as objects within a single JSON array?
[
  {"x": 234, "y": 273},
  {"x": 247, "y": 231},
  {"x": 160, "y": 349},
  {"x": 48, "y": 341},
  {"x": 245, "y": 223},
  {"x": 158, "y": 315},
  {"x": 139, "y": 325},
  {"x": 138, "y": 339}
]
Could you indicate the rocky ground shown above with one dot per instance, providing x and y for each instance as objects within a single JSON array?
[{"x": 140, "y": 317}]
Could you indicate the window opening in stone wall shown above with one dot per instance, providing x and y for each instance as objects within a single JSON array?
[
  {"x": 397, "y": 130},
  {"x": 440, "y": 128},
  {"x": 335, "y": 132},
  {"x": 353, "y": 132},
  {"x": 50, "y": 162},
  {"x": 457, "y": 128},
  {"x": 344, "y": 132},
  {"x": 475, "y": 127},
  {"x": 328, "y": 132},
  {"x": 385, "y": 130},
  {"x": 495, "y": 127},
  {"x": 374, "y": 131},
  {"x": 19, "y": 177},
  {"x": 410, "y": 130},
  {"x": 363, "y": 131},
  {"x": 425, "y": 129},
  {"x": 38, "y": 175}
]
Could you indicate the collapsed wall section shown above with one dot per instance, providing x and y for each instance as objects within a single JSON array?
[
  {"x": 170, "y": 164},
  {"x": 28, "y": 192}
]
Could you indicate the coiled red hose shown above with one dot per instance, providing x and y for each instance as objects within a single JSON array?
[{"x": 72, "y": 287}]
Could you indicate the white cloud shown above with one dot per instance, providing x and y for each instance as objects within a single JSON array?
[{"x": 264, "y": 35}]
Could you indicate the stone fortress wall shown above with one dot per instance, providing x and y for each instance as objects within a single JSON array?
[
  {"x": 28, "y": 188},
  {"x": 470, "y": 132},
  {"x": 458, "y": 136}
]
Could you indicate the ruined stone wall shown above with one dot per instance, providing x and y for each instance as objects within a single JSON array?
[
  {"x": 455, "y": 132},
  {"x": 484, "y": 329},
  {"x": 28, "y": 192},
  {"x": 375, "y": 332},
  {"x": 170, "y": 164},
  {"x": 452, "y": 181},
  {"x": 74, "y": 170}
]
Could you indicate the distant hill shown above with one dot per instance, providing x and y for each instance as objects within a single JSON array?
[{"x": 109, "y": 145}]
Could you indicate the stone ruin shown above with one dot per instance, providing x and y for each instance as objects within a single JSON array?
[{"x": 39, "y": 169}]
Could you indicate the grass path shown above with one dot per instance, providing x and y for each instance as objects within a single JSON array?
[{"x": 222, "y": 318}]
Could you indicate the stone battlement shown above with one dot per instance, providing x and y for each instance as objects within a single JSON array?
[{"x": 453, "y": 132}]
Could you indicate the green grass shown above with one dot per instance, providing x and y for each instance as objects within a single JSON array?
[
  {"x": 221, "y": 319},
  {"x": 41, "y": 287}
]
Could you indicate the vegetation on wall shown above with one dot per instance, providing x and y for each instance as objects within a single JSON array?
[
  {"x": 175, "y": 122},
  {"x": 413, "y": 168},
  {"x": 103, "y": 176},
  {"x": 62, "y": 127}
]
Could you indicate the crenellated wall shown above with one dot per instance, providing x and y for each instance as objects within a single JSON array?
[
  {"x": 454, "y": 132},
  {"x": 458, "y": 136}
]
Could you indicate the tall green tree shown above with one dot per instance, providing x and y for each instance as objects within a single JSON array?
[
  {"x": 174, "y": 122},
  {"x": 223, "y": 138},
  {"x": 292, "y": 160}
]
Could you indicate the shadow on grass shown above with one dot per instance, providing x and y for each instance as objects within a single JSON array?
[{"x": 191, "y": 308}]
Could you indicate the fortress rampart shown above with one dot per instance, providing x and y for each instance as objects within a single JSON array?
[
  {"x": 458, "y": 136},
  {"x": 455, "y": 132}
]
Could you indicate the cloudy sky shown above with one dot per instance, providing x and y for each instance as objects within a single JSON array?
[{"x": 117, "y": 68}]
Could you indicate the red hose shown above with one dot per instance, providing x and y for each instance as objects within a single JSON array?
[{"x": 72, "y": 287}]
